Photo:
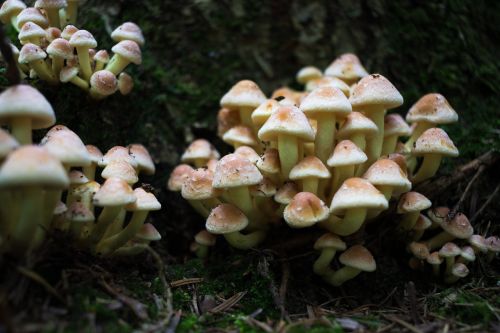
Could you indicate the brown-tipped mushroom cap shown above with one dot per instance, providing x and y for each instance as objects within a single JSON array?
[
  {"x": 125, "y": 83},
  {"x": 308, "y": 73},
  {"x": 148, "y": 233},
  {"x": 327, "y": 81},
  {"x": 225, "y": 219},
  {"x": 240, "y": 135},
  {"x": 358, "y": 257},
  {"x": 264, "y": 111},
  {"x": 77, "y": 177},
  {"x": 7, "y": 143},
  {"x": 34, "y": 15},
  {"x": 394, "y": 124},
  {"x": 245, "y": 93},
  {"x": 68, "y": 73},
  {"x": 248, "y": 153},
  {"x": 434, "y": 258},
  {"x": 94, "y": 153},
  {"x": 102, "y": 56},
  {"x": 233, "y": 171},
  {"x": 205, "y": 238},
  {"x": 128, "y": 31},
  {"x": 226, "y": 119},
  {"x": 68, "y": 31},
  {"x": 468, "y": 253},
  {"x": 288, "y": 120},
  {"x": 459, "y": 226},
  {"x": 419, "y": 250},
  {"x": 120, "y": 169},
  {"x": 326, "y": 100},
  {"x": 305, "y": 210},
  {"x": 63, "y": 143},
  {"x": 493, "y": 244},
  {"x": 198, "y": 149},
  {"x": 422, "y": 223},
  {"x": 449, "y": 250},
  {"x": 329, "y": 241},
  {"x": 479, "y": 242},
  {"x": 459, "y": 270},
  {"x": 31, "y": 52},
  {"x": 266, "y": 188},
  {"x": 432, "y": 108},
  {"x": 141, "y": 155},
  {"x": 10, "y": 8},
  {"x": 118, "y": 153},
  {"x": 375, "y": 89},
  {"x": 356, "y": 122},
  {"x": 178, "y": 176},
  {"x": 82, "y": 38},
  {"x": 438, "y": 214},
  {"x": 413, "y": 202},
  {"x": 31, "y": 30},
  {"x": 311, "y": 166},
  {"x": 385, "y": 172},
  {"x": 103, "y": 83},
  {"x": 435, "y": 141},
  {"x": 144, "y": 201},
  {"x": 286, "y": 193},
  {"x": 129, "y": 50},
  {"x": 269, "y": 161},
  {"x": 114, "y": 192},
  {"x": 357, "y": 193},
  {"x": 346, "y": 153},
  {"x": 198, "y": 186},
  {"x": 346, "y": 67}
]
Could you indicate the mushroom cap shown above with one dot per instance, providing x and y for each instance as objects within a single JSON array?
[
  {"x": 125, "y": 83},
  {"x": 346, "y": 153},
  {"x": 434, "y": 258},
  {"x": 32, "y": 14},
  {"x": 493, "y": 244},
  {"x": 31, "y": 30},
  {"x": 225, "y": 219},
  {"x": 244, "y": 94},
  {"x": 205, "y": 238},
  {"x": 375, "y": 90},
  {"x": 10, "y": 8},
  {"x": 234, "y": 171},
  {"x": 102, "y": 56},
  {"x": 78, "y": 212},
  {"x": 346, "y": 67},
  {"x": 241, "y": 135},
  {"x": 310, "y": 166},
  {"x": 422, "y": 223},
  {"x": 327, "y": 81},
  {"x": 432, "y": 108},
  {"x": 305, "y": 210},
  {"x": 269, "y": 162},
  {"x": 357, "y": 193},
  {"x": 248, "y": 153},
  {"x": 31, "y": 52},
  {"x": 287, "y": 120},
  {"x": 227, "y": 119},
  {"x": 413, "y": 202},
  {"x": 148, "y": 232},
  {"x": 468, "y": 253},
  {"x": 82, "y": 38},
  {"x": 400, "y": 160},
  {"x": 479, "y": 242},
  {"x": 77, "y": 177},
  {"x": 49, "y": 4},
  {"x": 394, "y": 124},
  {"x": 329, "y": 241},
  {"x": 283, "y": 93},
  {"x": 145, "y": 201},
  {"x": 385, "y": 172},
  {"x": 94, "y": 153},
  {"x": 198, "y": 149},
  {"x": 419, "y": 250},
  {"x": 129, "y": 50},
  {"x": 438, "y": 214},
  {"x": 52, "y": 33},
  {"x": 264, "y": 111},
  {"x": 60, "y": 208},
  {"x": 358, "y": 257},
  {"x": 459, "y": 270},
  {"x": 266, "y": 188},
  {"x": 118, "y": 153},
  {"x": 286, "y": 193},
  {"x": 178, "y": 176},
  {"x": 103, "y": 82},
  {"x": 68, "y": 73},
  {"x": 326, "y": 100},
  {"x": 356, "y": 123},
  {"x": 32, "y": 166},
  {"x": 64, "y": 144},
  {"x": 199, "y": 186},
  {"x": 7, "y": 143},
  {"x": 435, "y": 141},
  {"x": 141, "y": 156},
  {"x": 114, "y": 192},
  {"x": 120, "y": 169},
  {"x": 90, "y": 187},
  {"x": 68, "y": 31},
  {"x": 449, "y": 250},
  {"x": 308, "y": 73},
  {"x": 128, "y": 31},
  {"x": 459, "y": 226}
]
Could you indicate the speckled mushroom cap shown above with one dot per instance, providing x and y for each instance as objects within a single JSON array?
[
  {"x": 438, "y": 214},
  {"x": 400, "y": 160},
  {"x": 31, "y": 52},
  {"x": 198, "y": 149},
  {"x": 432, "y": 108},
  {"x": 413, "y": 202},
  {"x": 459, "y": 270},
  {"x": 394, "y": 124},
  {"x": 120, "y": 169},
  {"x": 286, "y": 193},
  {"x": 141, "y": 155},
  {"x": 89, "y": 188},
  {"x": 326, "y": 100},
  {"x": 114, "y": 192},
  {"x": 104, "y": 83},
  {"x": 199, "y": 186},
  {"x": 459, "y": 226},
  {"x": 226, "y": 119},
  {"x": 287, "y": 120},
  {"x": 102, "y": 56},
  {"x": 434, "y": 258},
  {"x": 30, "y": 30},
  {"x": 76, "y": 177},
  {"x": 145, "y": 201},
  {"x": 346, "y": 153},
  {"x": 422, "y": 223},
  {"x": 178, "y": 176},
  {"x": 32, "y": 166},
  {"x": 493, "y": 244},
  {"x": 78, "y": 212},
  {"x": 310, "y": 166},
  {"x": 283, "y": 93},
  {"x": 60, "y": 47},
  {"x": 355, "y": 123},
  {"x": 118, "y": 153},
  {"x": 68, "y": 31},
  {"x": 234, "y": 171},
  {"x": 125, "y": 83},
  {"x": 435, "y": 141},
  {"x": 308, "y": 73},
  {"x": 82, "y": 38},
  {"x": 419, "y": 250},
  {"x": 205, "y": 238},
  {"x": 358, "y": 257},
  {"x": 264, "y": 111},
  {"x": 34, "y": 15},
  {"x": 329, "y": 241},
  {"x": 266, "y": 188},
  {"x": 327, "y": 81},
  {"x": 225, "y": 219},
  {"x": 305, "y": 210},
  {"x": 375, "y": 90},
  {"x": 269, "y": 161},
  {"x": 346, "y": 67},
  {"x": 64, "y": 144},
  {"x": 129, "y": 50},
  {"x": 128, "y": 31},
  {"x": 357, "y": 193},
  {"x": 10, "y": 8},
  {"x": 95, "y": 153},
  {"x": 47, "y": 4},
  {"x": 385, "y": 172},
  {"x": 244, "y": 94},
  {"x": 248, "y": 153},
  {"x": 467, "y": 252},
  {"x": 52, "y": 33},
  {"x": 68, "y": 73},
  {"x": 240, "y": 135},
  {"x": 478, "y": 242},
  {"x": 7, "y": 143},
  {"x": 449, "y": 250}
]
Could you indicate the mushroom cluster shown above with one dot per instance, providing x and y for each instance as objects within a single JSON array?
[
  {"x": 55, "y": 51},
  {"x": 52, "y": 185},
  {"x": 330, "y": 156}
]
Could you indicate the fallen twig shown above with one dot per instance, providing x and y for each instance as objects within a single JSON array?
[
  {"x": 185, "y": 282},
  {"x": 402, "y": 323},
  {"x": 34, "y": 276},
  {"x": 229, "y": 303}
]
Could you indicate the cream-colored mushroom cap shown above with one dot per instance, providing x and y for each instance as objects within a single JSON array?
[
  {"x": 287, "y": 120},
  {"x": 266, "y": 188},
  {"x": 68, "y": 73},
  {"x": 34, "y": 15},
  {"x": 478, "y": 242},
  {"x": 77, "y": 177},
  {"x": 233, "y": 171},
  {"x": 449, "y": 250},
  {"x": 346, "y": 153},
  {"x": 245, "y": 93},
  {"x": 205, "y": 238},
  {"x": 355, "y": 123},
  {"x": 394, "y": 124},
  {"x": 118, "y": 153},
  {"x": 225, "y": 219},
  {"x": 467, "y": 252},
  {"x": 269, "y": 162},
  {"x": 311, "y": 166},
  {"x": 432, "y": 108},
  {"x": 329, "y": 241},
  {"x": 434, "y": 258},
  {"x": 419, "y": 250},
  {"x": 47, "y": 4},
  {"x": 178, "y": 176},
  {"x": 32, "y": 166},
  {"x": 326, "y": 100},
  {"x": 308, "y": 73},
  {"x": 198, "y": 149},
  {"x": 128, "y": 31},
  {"x": 357, "y": 193},
  {"x": 102, "y": 56},
  {"x": 10, "y": 8},
  {"x": 264, "y": 111},
  {"x": 240, "y": 135},
  {"x": 198, "y": 186},
  {"x": 68, "y": 31},
  {"x": 375, "y": 89},
  {"x": 400, "y": 160},
  {"x": 346, "y": 67},
  {"x": 493, "y": 244},
  {"x": 144, "y": 201},
  {"x": 90, "y": 188},
  {"x": 82, "y": 38},
  {"x": 52, "y": 34},
  {"x": 120, "y": 169},
  {"x": 60, "y": 47},
  {"x": 459, "y": 270},
  {"x": 78, "y": 212},
  {"x": 328, "y": 81},
  {"x": 413, "y": 202},
  {"x": 64, "y": 144},
  {"x": 148, "y": 233},
  {"x": 458, "y": 227},
  {"x": 31, "y": 52},
  {"x": 141, "y": 156},
  {"x": 423, "y": 223},
  {"x": 114, "y": 192},
  {"x": 358, "y": 257},
  {"x": 31, "y": 30},
  {"x": 435, "y": 141},
  {"x": 125, "y": 83},
  {"x": 286, "y": 193},
  {"x": 248, "y": 153},
  {"x": 129, "y": 50},
  {"x": 95, "y": 153},
  {"x": 305, "y": 210},
  {"x": 104, "y": 82},
  {"x": 7, "y": 143},
  {"x": 385, "y": 172}
]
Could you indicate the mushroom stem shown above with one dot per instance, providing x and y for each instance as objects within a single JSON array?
[
  {"x": 386, "y": 191},
  {"x": 322, "y": 264},
  {"x": 117, "y": 64},
  {"x": 241, "y": 198},
  {"x": 417, "y": 131},
  {"x": 84, "y": 61},
  {"x": 21, "y": 130},
  {"x": 288, "y": 152},
  {"x": 43, "y": 71},
  {"x": 325, "y": 136},
  {"x": 340, "y": 174},
  {"x": 72, "y": 12},
  {"x": 246, "y": 118},
  {"x": 342, "y": 275},
  {"x": 199, "y": 207},
  {"x": 438, "y": 240},
  {"x": 359, "y": 140},
  {"x": 374, "y": 148},
  {"x": 53, "y": 17},
  {"x": 245, "y": 242},
  {"x": 450, "y": 261},
  {"x": 429, "y": 167},
  {"x": 105, "y": 219},
  {"x": 99, "y": 65},
  {"x": 13, "y": 22},
  {"x": 389, "y": 145},
  {"x": 57, "y": 65},
  {"x": 117, "y": 224},
  {"x": 80, "y": 83},
  {"x": 409, "y": 220},
  {"x": 89, "y": 171},
  {"x": 352, "y": 221},
  {"x": 201, "y": 251},
  {"x": 310, "y": 184}
]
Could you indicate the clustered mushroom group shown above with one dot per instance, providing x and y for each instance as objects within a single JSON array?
[
  {"x": 329, "y": 156},
  {"x": 55, "y": 51},
  {"x": 53, "y": 185}
]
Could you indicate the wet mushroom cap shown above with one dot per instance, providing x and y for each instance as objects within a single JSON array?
[
  {"x": 94, "y": 153},
  {"x": 225, "y": 219},
  {"x": 305, "y": 210}
]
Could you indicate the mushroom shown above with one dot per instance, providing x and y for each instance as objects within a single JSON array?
[
  {"x": 422, "y": 224},
  {"x": 34, "y": 56},
  {"x": 68, "y": 31},
  {"x": 307, "y": 74},
  {"x": 459, "y": 227},
  {"x": 59, "y": 50},
  {"x": 309, "y": 172},
  {"x": 95, "y": 156},
  {"x": 198, "y": 153},
  {"x": 449, "y": 251},
  {"x": 31, "y": 33},
  {"x": 101, "y": 58},
  {"x": 72, "y": 11},
  {"x": 262, "y": 113},
  {"x": 198, "y": 191},
  {"x": 128, "y": 31},
  {"x": 226, "y": 119},
  {"x": 7, "y": 144},
  {"x": 78, "y": 215},
  {"x": 458, "y": 271},
  {"x": 493, "y": 247},
  {"x": 387, "y": 177},
  {"x": 76, "y": 178},
  {"x": 467, "y": 255},
  {"x": 269, "y": 165},
  {"x": 478, "y": 243},
  {"x": 70, "y": 74},
  {"x": 344, "y": 159},
  {"x": 410, "y": 205},
  {"x": 356, "y": 259},
  {"x": 51, "y": 8},
  {"x": 248, "y": 153},
  {"x": 144, "y": 161},
  {"x": 178, "y": 176},
  {"x": 394, "y": 127},
  {"x": 357, "y": 128},
  {"x": 125, "y": 83},
  {"x": 285, "y": 194},
  {"x": 305, "y": 210},
  {"x": 435, "y": 260},
  {"x": 118, "y": 153},
  {"x": 239, "y": 136},
  {"x": 120, "y": 169},
  {"x": 328, "y": 244},
  {"x": 10, "y": 10},
  {"x": 125, "y": 52},
  {"x": 103, "y": 83},
  {"x": 204, "y": 240},
  {"x": 346, "y": 67},
  {"x": 83, "y": 40},
  {"x": 262, "y": 194},
  {"x": 31, "y": 14}
]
